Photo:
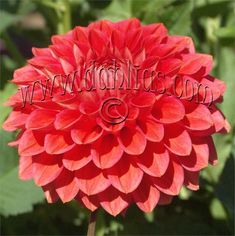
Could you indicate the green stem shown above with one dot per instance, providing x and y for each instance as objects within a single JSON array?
[
  {"x": 92, "y": 223},
  {"x": 63, "y": 12},
  {"x": 49, "y": 4},
  {"x": 64, "y": 16},
  {"x": 67, "y": 16}
]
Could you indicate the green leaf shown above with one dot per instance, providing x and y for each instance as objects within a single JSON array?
[
  {"x": 101, "y": 224},
  {"x": 114, "y": 227},
  {"x": 226, "y": 32},
  {"x": 117, "y": 10},
  {"x": 224, "y": 189},
  {"x": 177, "y": 17},
  {"x": 25, "y": 7},
  {"x": 223, "y": 144},
  {"x": 182, "y": 20},
  {"x": 212, "y": 8},
  {"x": 123, "y": 9},
  {"x": 7, "y": 20},
  {"x": 4, "y": 95},
  {"x": 17, "y": 196},
  {"x": 226, "y": 73},
  {"x": 8, "y": 155},
  {"x": 217, "y": 209},
  {"x": 151, "y": 10},
  {"x": 226, "y": 62}
]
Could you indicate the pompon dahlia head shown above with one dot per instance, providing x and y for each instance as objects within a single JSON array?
[{"x": 69, "y": 147}]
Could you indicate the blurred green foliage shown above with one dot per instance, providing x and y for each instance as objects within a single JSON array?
[{"x": 210, "y": 211}]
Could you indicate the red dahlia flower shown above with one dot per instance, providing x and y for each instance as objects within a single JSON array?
[{"x": 113, "y": 140}]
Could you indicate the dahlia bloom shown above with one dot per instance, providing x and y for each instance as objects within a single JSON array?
[{"x": 106, "y": 142}]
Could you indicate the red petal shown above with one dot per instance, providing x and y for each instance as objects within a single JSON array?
[
  {"x": 111, "y": 128},
  {"x": 186, "y": 88},
  {"x": 154, "y": 161},
  {"x": 104, "y": 25},
  {"x": 133, "y": 39},
  {"x": 40, "y": 119},
  {"x": 172, "y": 181},
  {"x": 86, "y": 132},
  {"x": 162, "y": 50},
  {"x": 77, "y": 157},
  {"x": 128, "y": 24},
  {"x": 153, "y": 130},
  {"x": 199, "y": 157},
  {"x": 97, "y": 41},
  {"x": 147, "y": 65},
  {"x": 62, "y": 51},
  {"x": 146, "y": 196},
  {"x": 191, "y": 180},
  {"x": 168, "y": 110},
  {"x": 133, "y": 113},
  {"x": 213, "y": 154},
  {"x": 178, "y": 141},
  {"x": 117, "y": 39},
  {"x": 199, "y": 118},
  {"x": 91, "y": 202},
  {"x": 46, "y": 168},
  {"x": 169, "y": 66},
  {"x": 113, "y": 201},
  {"x": 80, "y": 34},
  {"x": 17, "y": 141},
  {"x": 150, "y": 42},
  {"x": 45, "y": 62},
  {"x": 107, "y": 152},
  {"x": 79, "y": 52},
  {"x": 227, "y": 127},
  {"x": 144, "y": 99},
  {"x": 91, "y": 180},
  {"x": 192, "y": 63},
  {"x": 183, "y": 43},
  {"x": 219, "y": 120},
  {"x": 66, "y": 186},
  {"x": 65, "y": 100},
  {"x": 42, "y": 61},
  {"x": 132, "y": 141},
  {"x": 125, "y": 176},
  {"x": 58, "y": 143},
  {"x": 209, "y": 90},
  {"x": 90, "y": 103},
  {"x": 67, "y": 66},
  {"x": 50, "y": 193},
  {"x": 41, "y": 52},
  {"x": 156, "y": 28},
  {"x": 66, "y": 118},
  {"x": 15, "y": 120},
  {"x": 62, "y": 39},
  {"x": 24, "y": 75},
  {"x": 30, "y": 144},
  {"x": 25, "y": 168},
  {"x": 218, "y": 83}
]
